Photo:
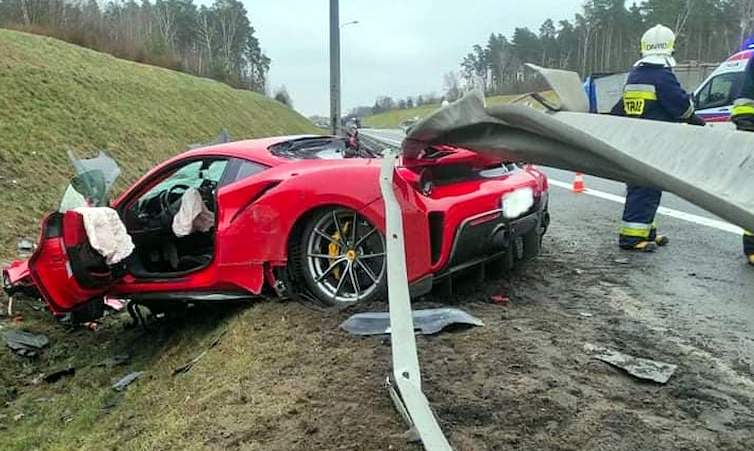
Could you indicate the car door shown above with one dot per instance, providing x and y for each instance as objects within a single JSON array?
[{"x": 65, "y": 268}]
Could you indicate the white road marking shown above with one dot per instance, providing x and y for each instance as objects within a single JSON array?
[{"x": 682, "y": 215}]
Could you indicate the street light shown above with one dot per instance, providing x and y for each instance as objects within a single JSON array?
[
  {"x": 353, "y": 22},
  {"x": 334, "y": 66}
]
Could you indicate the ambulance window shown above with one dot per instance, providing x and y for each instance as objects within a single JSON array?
[{"x": 719, "y": 91}]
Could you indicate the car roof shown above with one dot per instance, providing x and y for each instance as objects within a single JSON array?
[{"x": 251, "y": 149}]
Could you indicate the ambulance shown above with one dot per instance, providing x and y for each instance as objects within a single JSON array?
[{"x": 714, "y": 98}]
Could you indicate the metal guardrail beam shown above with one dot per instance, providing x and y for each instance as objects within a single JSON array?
[{"x": 405, "y": 382}]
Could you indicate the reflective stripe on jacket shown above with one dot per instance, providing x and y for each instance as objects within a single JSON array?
[{"x": 653, "y": 92}]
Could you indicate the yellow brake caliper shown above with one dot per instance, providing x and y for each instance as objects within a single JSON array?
[{"x": 333, "y": 250}]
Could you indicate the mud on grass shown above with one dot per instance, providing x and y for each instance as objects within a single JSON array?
[{"x": 285, "y": 377}]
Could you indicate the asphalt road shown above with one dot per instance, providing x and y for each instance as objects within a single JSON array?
[{"x": 698, "y": 289}]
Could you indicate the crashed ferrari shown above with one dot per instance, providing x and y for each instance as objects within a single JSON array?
[{"x": 288, "y": 216}]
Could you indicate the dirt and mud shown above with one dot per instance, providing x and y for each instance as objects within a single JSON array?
[{"x": 283, "y": 376}]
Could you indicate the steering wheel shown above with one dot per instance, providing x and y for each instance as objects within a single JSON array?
[{"x": 169, "y": 207}]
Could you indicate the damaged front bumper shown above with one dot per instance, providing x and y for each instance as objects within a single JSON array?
[{"x": 17, "y": 279}]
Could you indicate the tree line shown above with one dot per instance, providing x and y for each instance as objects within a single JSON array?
[
  {"x": 602, "y": 37},
  {"x": 216, "y": 41}
]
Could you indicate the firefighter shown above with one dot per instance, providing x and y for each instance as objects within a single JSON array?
[
  {"x": 653, "y": 92},
  {"x": 742, "y": 115}
]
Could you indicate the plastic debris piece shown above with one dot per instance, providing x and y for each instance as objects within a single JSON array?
[
  {"x": 585, "y": 314},
  {"x": 25, "y": 343},
  {"x": 25, "y": 247},
  {"x": 115, "y": 304},
  {"x": 638, "y": 367},
  {"x": 500, "y": 299},
  {"x": 426, "y": 322},
  {"x": 127, "y": 380},
  {"x": 55, "y": 376}
]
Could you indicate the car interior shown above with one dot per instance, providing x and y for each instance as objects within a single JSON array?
[{"x": 149, "y": 220}]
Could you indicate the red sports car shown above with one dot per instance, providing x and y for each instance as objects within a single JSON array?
[{"x": 290, "y": 215}]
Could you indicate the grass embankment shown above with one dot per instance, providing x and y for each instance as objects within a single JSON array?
[
  {"x": 392, "y": 119},
  {"x": 57, "y": 96}
]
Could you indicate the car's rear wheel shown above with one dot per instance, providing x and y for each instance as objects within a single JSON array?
[{"x": 343, "y": 258}]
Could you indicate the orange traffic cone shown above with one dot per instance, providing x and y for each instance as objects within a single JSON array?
[{"x": 578, "y": 183}]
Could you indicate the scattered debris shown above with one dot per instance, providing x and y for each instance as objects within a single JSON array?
[
  {"x": 585, "y": 314},
  {"x": 426, "y": 322},
  {"x": 25, "y": 247},
  {"x": 55, "y": 376},
  {"x": 578, "y": 271},
  {"x": 500, "y": 299},
  {"x": 622, "y": 261},
  {"x": 187, "y": 366},
  {"x": 25, "y": 343},
  {"x": 127, "y": 380},
  {"x": 638, "y": 367},
  {"x": 91, "y": 325},
  {"x": 116, "y": 360},
  {"x": 115, "y": 304},
  {"x": 18, "y": 417}
]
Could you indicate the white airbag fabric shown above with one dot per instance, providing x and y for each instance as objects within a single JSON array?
[
  {"x": 106, "y": 233},
  {"x": 193, "y": 215}
]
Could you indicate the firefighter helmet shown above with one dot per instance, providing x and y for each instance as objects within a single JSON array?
[{"x": 657, "y": 46}]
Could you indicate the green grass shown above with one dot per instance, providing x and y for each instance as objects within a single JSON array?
[
  {"x": 57, "y": 96},
  {"x": 392, "y": 119}
]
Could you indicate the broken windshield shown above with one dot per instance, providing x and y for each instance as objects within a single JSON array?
[{"x": 92, "y": 183}]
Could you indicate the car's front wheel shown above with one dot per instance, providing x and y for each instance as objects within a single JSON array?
[{"x": 343, "y": 258}]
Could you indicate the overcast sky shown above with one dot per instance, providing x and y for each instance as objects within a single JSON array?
[{"x": 399, "y": 47}]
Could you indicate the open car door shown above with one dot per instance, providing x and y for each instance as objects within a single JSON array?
[{"x": 69, "y": 273}]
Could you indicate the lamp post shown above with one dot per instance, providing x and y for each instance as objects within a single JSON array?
[{"x": 334, "y": 67}]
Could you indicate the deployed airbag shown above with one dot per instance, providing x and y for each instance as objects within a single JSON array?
[
  {"x": 106, "y": 233},
  {"x": 712, "y": 168},
  {"x": 193, "y": 215}
]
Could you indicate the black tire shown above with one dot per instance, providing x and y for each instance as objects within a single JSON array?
[{"x": 341, "y": 265}]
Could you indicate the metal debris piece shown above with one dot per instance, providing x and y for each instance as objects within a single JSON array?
[
  {"x": 127, "y": 380},
  {"x": 25, "y": 247},
  {"x": 500, "y": 299},
  {"x": 55, "y": 376},
  {"x": 426, "y": 322},
  {"x": 25, "y": 343},
  {"x": 638, "y": 367}
]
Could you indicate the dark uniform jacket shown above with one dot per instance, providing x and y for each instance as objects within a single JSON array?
[{"x": 653, "y": 92}]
